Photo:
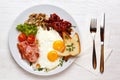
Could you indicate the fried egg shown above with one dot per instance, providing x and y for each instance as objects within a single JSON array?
[{"x": 50, "y": 45}]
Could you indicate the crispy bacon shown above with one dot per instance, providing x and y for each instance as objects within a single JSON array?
[
  {"x": 28, "y": 51},
  {"x": 22, "y": 48}
]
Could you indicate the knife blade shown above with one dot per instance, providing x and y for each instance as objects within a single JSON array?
[{"x": 102, "y": 33}]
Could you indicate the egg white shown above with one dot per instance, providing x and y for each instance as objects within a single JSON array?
[{"x": 45, "y": 40}]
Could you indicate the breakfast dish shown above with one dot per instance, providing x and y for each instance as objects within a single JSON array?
[{"x": 45, "y": 43}]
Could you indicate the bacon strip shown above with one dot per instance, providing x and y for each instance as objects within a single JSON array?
[{"x": 30, "y": 52}]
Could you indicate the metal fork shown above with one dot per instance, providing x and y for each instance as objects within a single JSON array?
[{"x": 93, "y": 30}]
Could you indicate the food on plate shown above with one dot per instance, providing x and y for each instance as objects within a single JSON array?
[
  {"x": 59, "y": 45},
  {"x": 72, "y": 45},
  {"x": 66, "y": 58},
  {"x": 37, "y": 19},
  {"x": 22, "y": 37},
  {"x": 27, "y": 29},
  {"x": 31, "y": 39},
  {"x": 46, "y": 42},
  {"x": 59, "y": 24},
  {"x": 49, "y": 58},
  {"x": 27, "y": 45},
  {"x": 28, "y": 51}
]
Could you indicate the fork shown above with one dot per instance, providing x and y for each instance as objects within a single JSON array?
[{"x": 93, "y": 30}]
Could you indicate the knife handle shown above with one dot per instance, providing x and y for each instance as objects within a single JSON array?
[
  {"x": 94, "y": 61},
  {"x": 102, "y": 59}
]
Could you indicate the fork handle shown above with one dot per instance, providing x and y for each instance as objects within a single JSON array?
[{"x": 94, "y": 61}]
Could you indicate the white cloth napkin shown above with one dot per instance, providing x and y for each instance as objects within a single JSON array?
[{"x": 85, "y": 59}]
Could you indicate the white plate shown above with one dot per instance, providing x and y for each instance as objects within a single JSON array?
[{"x": 47, "y": 9}]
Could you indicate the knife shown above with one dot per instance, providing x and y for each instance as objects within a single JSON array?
[{"x": 102, "y": 32}]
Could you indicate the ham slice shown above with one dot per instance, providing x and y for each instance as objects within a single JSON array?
[{"x": 30, "y": 52}]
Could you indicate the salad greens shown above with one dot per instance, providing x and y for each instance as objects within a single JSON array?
[{"x": 27, "y": 29}]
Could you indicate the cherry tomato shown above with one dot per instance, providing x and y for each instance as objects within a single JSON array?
[
  {"x": 31, "y": 39},
  {"x": 22, "y": 37}
]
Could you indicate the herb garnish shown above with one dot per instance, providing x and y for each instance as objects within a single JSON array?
[
  {"x": 40, "y": 69},
  {"x": 31, "y": 63},
  {"x": 66, "y": 37},
  {"x": 61, "y": 62},
  {"x": 70, "y": 47}
]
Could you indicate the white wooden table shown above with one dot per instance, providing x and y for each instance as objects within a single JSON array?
[{"x": 80, "y": 10}]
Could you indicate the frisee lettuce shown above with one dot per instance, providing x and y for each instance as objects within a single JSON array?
[{"x": 27, "y": 29}]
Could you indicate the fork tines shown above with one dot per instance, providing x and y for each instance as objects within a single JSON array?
[{"x": 93, "y": 25}]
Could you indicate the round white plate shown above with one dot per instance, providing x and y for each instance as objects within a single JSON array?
[{"x": 47, "y": 9}]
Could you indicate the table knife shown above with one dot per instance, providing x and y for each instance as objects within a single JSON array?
[{"x": 102, "y": 33}]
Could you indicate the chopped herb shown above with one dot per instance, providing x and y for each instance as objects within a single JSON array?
[
  {"x": 31, "y": 63},
  {"x": 73, "y": 47},
  {"x": 65, "y": 58},
  {"x": 40, "y": 69},
  {"x": 71, "y": 44},
  {"x": 46, "y": 69},
  {"x": 66, "y": 37},
  {"x": 69, "y": 49},
  {"x": 68, "y": 45},
  {"x": 61, "y": 62}
]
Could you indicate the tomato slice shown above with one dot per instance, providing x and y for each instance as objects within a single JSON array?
[
  {"x": 22, "y": 37},
  {"x": 31, "y": 39}
]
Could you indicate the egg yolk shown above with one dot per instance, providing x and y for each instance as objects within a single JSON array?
[
  {"x": 52, "y": 56},
  {"x": 59, "y": 45}
]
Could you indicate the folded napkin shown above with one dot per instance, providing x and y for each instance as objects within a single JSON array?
[{"x": 84, "y": 60}]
